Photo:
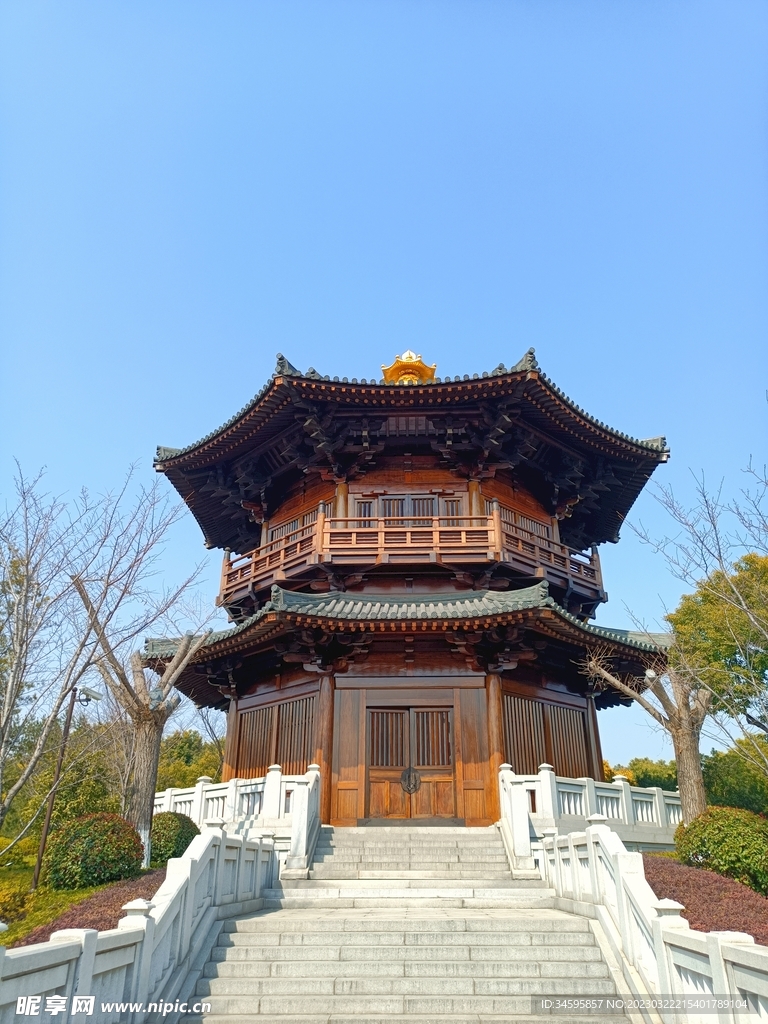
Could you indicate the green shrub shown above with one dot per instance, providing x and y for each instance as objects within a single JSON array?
[
  {"x": 171, "y": 835},
  {"x": 18, "y": 854},
  {"x": 92, "y": 850},
  {"x": 730, "y": 841},
  {"x": 13, "y": 902}
]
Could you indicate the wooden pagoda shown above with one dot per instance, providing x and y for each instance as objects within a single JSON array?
[{"x": 410, "y": 567}]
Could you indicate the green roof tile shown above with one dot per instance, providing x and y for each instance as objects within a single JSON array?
[{"x": 478, "y": 604}]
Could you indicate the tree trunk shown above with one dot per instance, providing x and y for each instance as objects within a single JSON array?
[
  {"x": 149, "y": 732},
  {"x": 690, "y": 780}
]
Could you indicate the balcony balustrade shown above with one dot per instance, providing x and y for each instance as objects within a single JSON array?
[{"x": 453, "y": 540}]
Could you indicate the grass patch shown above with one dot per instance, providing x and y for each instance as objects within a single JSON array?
[
  {"x": 32, "y": 916},
  {"x": 42, "y": 906}
]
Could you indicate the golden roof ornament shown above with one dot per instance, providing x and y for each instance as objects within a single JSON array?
[{"x": 409, "y": 369}]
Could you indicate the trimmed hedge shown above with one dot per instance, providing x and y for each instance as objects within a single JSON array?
[
  {"x": 91, "y": 850},
  {"x": 171, "y": 835},
  {"x": 729, "y": 841}
]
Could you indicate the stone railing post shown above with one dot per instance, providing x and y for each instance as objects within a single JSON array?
[
  {"x": 548, "y": 787},
  {"x": 659, "y": 807},
  {"x": 231, "y": 802},
  {"x": 198, "y": 800},
  {"x": 216, "y": 826},
  {"x": 270, "y": 808},
  {"x": 87, "y": 937},
  {"x": 720, "y": 980},
  {"x": 625, "y": 791},
  {"x": 139, "y": 914},
  {"x": 590, "y": 797},
  {"x": 667, "y": 916}
]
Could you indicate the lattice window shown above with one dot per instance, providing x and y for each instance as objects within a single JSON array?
[
  {"x": 276, "y": 532},
  {"x": 387, "y": 739},
  {"x": 452, "y": 511},
  {"x": 393, "y": 508},
  {"x": 423, "y": 507},
  {"x": 433, "y": 739}
]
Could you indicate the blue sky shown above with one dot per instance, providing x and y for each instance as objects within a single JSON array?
[{"x": 188, "y": 188}]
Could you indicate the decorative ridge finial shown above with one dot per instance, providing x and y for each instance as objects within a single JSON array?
[
  {"x": 528, "y": 362},
  {"x": 284, "y": 368},
  {"x": 409, "y": 368}
]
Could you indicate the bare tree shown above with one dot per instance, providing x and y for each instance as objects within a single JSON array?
[
  {"x": 720, "y": 550},
  {"x": 78, "y": 591},
  {"x": 678, "y": 702}
]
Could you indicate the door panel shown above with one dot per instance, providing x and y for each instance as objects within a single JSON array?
[{"x": 420, "y": 738}]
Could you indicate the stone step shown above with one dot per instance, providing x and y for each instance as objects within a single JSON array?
[
  {"x": 507, "y": 968},
  {"x": 332, "y": 938},
  {"x": 395, "y": 1018},
  {"x": 333, "y": 871},
  {"x": 551, "y": 951},
  {"x": 346, "y": 902},
  {"x": 412, "y": 880},
  {"x": 404, "y": 888},
  {"x": 531, "y": 921},
  {"x": 418, "y": 986},
  {"x": 384, "y": 1006}
]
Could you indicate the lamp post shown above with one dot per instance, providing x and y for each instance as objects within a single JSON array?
[{"x": 86, "y": 695}]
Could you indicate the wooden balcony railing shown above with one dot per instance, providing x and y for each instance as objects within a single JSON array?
[{"x": 450, "y": 539}]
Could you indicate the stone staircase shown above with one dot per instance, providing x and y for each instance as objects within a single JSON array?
[{"x": 404, "y": 926}]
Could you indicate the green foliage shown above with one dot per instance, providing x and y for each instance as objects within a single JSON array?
[
  {"x": 730, "y": 841},
  {"x": 184, "y": 757},
  {"x": 91, "y": 850},
  {"x": 718, "y": 639},
  {"x": 732, "y": 781},
  {"x": 642, "y": 771},
  {"x": 171, "y": 835},
  {"x": 87, "y": 783},
  {"x": 20, "y": 854},
  {"x": 13, "y": 902}
]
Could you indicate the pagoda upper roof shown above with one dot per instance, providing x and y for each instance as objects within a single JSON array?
[
  {"x": 527, "y": 397},
  {"x": 479, "y": 609}
]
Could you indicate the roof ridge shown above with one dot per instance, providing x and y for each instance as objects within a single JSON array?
[{"x": 528, "y": 364}]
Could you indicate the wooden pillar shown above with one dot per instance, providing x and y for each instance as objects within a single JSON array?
[
  {"x": 229, "y": 768},
  {"x": 342, "y": 499},
  {"x": 476, "y": 507},
  {"x": 593, "y": 741},
  {"x": 495, "y": 741},
  {"x": 324, "y": 744}
]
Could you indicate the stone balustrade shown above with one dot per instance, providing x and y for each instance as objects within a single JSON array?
[
  {"x": 151, "y": 957},
  {"x": 269, "y": 800},
  {"x": 644, "y": 818}
]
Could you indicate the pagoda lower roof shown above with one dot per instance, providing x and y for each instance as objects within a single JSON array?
[{"x": 480, "y": 609}]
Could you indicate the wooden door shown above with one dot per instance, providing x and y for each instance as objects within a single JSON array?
[{"x": 410, "y": 738}]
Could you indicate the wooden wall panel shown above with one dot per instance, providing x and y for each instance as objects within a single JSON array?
[
  {"x": 475, "y": 781},
  {"x": 295, "y": 735},
  {"x": 537, "y": 731},
  {"x": 256, "y": 744},
  {"x": 569, "y": 742},
  {"x": 524, "y": 746},
  {"x": 275, "y": 734},
  {"x": 346, "y": 757}
]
